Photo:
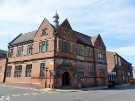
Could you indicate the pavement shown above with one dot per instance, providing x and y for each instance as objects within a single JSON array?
[{"x": 17, "y": 93}]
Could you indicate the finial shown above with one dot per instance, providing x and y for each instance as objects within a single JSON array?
[{"x": 56, "y": 19}]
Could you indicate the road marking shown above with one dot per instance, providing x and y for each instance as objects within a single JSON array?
[
  {"x": 15, "y": 95},
  {"x": 19, "y": 87},
  {"x": 34, "y": 93},
  {"x": 43, "y": 92},
  {"x": 26, "y": 94},
  {"x": 4, "y": 98},
  {"x": 77, "y": 100},
  {"x": 53, "y": 92}
]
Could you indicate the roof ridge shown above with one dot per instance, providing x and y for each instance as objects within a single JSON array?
[
  {"x": 3, "y": 51},
  {"x": 67, "y": 24},
  {"x": 28, "y": 36},
  {"x": 83, "y": 34},
  {"x": 29, "y": 32},
  {"x": 15, "y": 38}
]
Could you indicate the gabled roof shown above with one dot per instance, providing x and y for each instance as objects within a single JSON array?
[
  {"x": 117, "y": 54},
  {"x": 23, "y": 38},
  {"x": 3, "y": 52},
  {"x": 94, "y": 38},
  {"x": 66, "y": 24},
  {"x": 82, "y": 38},
  {"x": 26, "y": 37}
]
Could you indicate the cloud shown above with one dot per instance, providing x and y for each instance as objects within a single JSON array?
[
  {"x": 35, "y": 10},
  {"x": 126, "y": 51}
]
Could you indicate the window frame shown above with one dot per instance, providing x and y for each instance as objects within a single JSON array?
[
  {"x": 66, "y": 47},
  {"x": 44, "y": 32},
  {"x": 91, "y": 70},
  {"x": 28, "y": 70},
  {"x": 29, "y": 49},
  {"x": 42, "y": 70},
  {"x": 11, "y": 52},
  {"x": 80, "y": 72},
  {"x": 101, "y": 55},
  {"x": 43, "y": 46},
  {"x": 8, "y": 71},
  {"x": 102, "y": 70},
  {"x": 18, "y": 71},
  {"x": 19, "y": 51}
]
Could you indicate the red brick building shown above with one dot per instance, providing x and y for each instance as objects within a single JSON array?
[
  {"x": 117, "y": 65},
  {"x": 56, "y": 56},
  {"x": 3, "y": 55}
]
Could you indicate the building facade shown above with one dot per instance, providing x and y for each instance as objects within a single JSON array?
[
  {"x": 119, "y": 67},
  {"x": 3, "y": 61},
  {"x": 55, "y": 56},
  {"x": 3, "y": 54}
]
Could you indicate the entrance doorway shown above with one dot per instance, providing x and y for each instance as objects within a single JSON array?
[{"x": 65, "y": 79}]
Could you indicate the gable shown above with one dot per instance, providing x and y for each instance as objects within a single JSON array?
[
  {"x": 67, "y": 34},
  {"x": 44, "y": 26},
  {"x": 66, "y": 24},
  {"x": 98, "y": 42},
  {"x": 65, "y": 31}
]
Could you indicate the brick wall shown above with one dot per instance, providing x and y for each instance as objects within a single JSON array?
[{"x": 2, "y": 69}]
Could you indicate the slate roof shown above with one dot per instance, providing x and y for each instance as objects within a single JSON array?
[
  {"x": 82, "y": 38},
  {"x": 66, "y": 24},
  {"x": 3, "y": 52},
  {"x": 117, "y": 54},
  {"x": 23, "y": 38}
]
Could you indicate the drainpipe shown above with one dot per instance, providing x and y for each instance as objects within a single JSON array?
[{"x": 55, "y": 51}]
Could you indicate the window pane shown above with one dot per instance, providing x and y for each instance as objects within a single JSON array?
[
  {"x": 80, "y": 72},
  {"x": 101, "y": 70},
  {"x": 43, "y": 47},
  {"x": 19, "y": 50},
  {"x": 29, "y": 49},
  {"x": 10, "y": 54},
  {"x": 66, "y": 47},
  {"x": 91, "y": 71},
  {"x": 8, "y": 71},
  {"x": 18, "y": 71},
  {"x": 44, "y": 32},
  {"x": 28, "y": 70},
  {"x": 42, "y": 70}
]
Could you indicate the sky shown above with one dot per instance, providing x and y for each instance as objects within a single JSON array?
[{"x": 113, "y": 19}]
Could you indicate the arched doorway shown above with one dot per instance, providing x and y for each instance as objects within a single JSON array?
[{"x": 65, "y": 79}]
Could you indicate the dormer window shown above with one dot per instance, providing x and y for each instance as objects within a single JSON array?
[{"x": 44, "y": 32}]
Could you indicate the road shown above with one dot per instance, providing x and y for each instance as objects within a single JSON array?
[{"x": 12, "y": 93}]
